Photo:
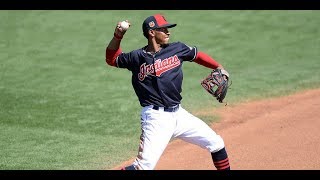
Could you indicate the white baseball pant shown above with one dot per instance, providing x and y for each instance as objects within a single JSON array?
[{"x": 159, "y": 126}]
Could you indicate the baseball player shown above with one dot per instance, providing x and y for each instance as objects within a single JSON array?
[{"x": 157, "y": 79}]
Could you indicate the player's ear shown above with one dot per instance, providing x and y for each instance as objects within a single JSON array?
[{"x": 152, "y": 32}]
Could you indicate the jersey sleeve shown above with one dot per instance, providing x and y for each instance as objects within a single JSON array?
[
  {"x": 189, "y": 53},
  {"x": 124, "y": 60}
]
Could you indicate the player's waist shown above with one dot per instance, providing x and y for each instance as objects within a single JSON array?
[{"x": 166, "y": 109}]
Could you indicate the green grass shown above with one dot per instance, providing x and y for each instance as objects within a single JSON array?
[{"x": 62, "y": 107}]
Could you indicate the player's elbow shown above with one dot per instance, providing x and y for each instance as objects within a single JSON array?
[
  {"x": 108, "y": 59},
  {"x": 112, "y": 55},
  {"x": 111, "y": 62}
]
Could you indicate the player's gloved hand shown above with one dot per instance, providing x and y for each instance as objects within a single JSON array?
[
  {"x": 217, "y": 83},
  {"x": 119, "y": 31}
]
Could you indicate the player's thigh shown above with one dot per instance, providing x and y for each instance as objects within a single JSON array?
[
  {"x": 192, "y": 129},
  {"x": 157, "y": 130}
]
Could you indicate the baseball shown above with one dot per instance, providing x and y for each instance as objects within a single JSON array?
[{"x": 124, "y": 25}]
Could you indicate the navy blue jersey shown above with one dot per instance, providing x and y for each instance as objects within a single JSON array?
[{"x": 157, "y": 78}]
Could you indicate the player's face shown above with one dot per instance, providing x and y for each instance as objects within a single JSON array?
[{"x": 162, "y": 35}]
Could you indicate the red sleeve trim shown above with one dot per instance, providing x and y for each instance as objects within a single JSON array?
[
  {"x": 111, "y": 56},
  {"x": 205, "y": 60}
]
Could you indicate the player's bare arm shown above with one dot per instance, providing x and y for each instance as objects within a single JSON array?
[{"x": 113, "y": 49}]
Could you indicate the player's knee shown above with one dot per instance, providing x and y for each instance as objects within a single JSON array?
[
  {"x": 219, "y": 143},
  {"x": 216, "y": 144}
]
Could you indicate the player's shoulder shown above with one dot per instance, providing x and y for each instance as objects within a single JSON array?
[
  {"x": 183, "y": 45},
  {"x": 137, "y": 51},
  {"x": 179, "y": 43}
]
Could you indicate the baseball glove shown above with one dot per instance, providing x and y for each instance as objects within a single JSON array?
[{"x": 217, "y": 84}]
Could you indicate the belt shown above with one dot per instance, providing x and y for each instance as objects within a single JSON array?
[{"x": 167, "y": 109}]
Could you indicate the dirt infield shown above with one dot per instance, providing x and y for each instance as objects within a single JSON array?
[{"x": 278, "y": 134}]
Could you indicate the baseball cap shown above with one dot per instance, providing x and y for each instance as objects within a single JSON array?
[{"x": 154, "y": 22}]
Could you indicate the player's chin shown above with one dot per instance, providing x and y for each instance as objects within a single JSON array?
[{"x": 165, "y": 41}]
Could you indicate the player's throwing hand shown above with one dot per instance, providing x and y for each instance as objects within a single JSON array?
[{"x": 121, "y": 29}]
